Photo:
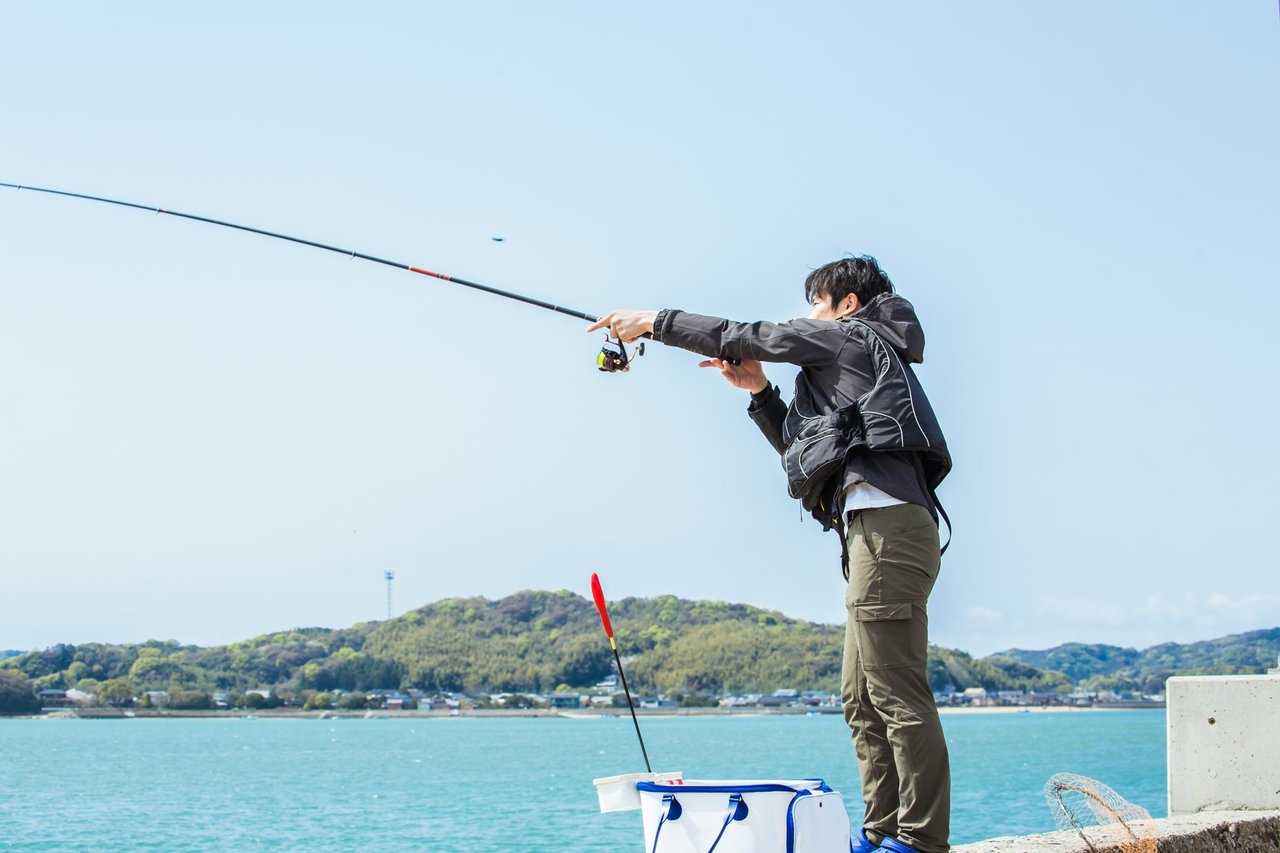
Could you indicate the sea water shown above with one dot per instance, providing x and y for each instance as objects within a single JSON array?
[{"x": 480, "y": 784}]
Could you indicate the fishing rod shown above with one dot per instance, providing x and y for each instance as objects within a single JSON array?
[
  {"x": 598, "y": 594},
  {"x": 613, "y": 356}
]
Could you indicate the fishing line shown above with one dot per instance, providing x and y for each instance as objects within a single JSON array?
[{"x": 613, "y": 358}]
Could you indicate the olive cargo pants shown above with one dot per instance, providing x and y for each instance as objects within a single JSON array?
[{"x": 902, "y": 756}]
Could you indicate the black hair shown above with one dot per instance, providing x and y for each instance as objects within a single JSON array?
[{"x": 860, "y": 275}]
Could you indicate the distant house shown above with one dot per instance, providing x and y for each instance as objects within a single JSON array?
[
  {"x": 609, "y": 684},
  {"x": 221, "y": 700},
  {"x": 459, "y": 700},
  {"x": 603, "y": 700},
  {"x": 393, "y": 700},
  {"x": 157, "y": 698},
  {"x": 517, "y": 700},
  {"x": 977, "y": 696},
  {"x": 565, "y": 700},
  {"x": 52, "y": 697}
]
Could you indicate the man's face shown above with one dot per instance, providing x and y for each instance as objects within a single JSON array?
[{"x": 824, "y": 310}]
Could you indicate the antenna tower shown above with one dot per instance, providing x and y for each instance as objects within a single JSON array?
[{"x": 390, "y": 576}]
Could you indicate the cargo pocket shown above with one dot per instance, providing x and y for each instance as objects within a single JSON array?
[{"x": 887, "y": 635}]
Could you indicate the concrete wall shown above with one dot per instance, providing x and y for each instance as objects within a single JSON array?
[{"x": 1224, "y": 742}]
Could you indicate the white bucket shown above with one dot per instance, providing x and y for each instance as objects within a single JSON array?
[{"x": 619, "y": 794}]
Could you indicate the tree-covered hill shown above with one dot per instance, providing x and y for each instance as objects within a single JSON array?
[
  {"x": 1078, "y": 660},
  {"x": 535, "y": 641},
  {"x": 1114, "y": 667}
]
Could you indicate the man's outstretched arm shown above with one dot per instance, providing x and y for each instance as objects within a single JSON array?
[
  {"x": 803, "y": 342},
  {"x": 766, "y": 408}
]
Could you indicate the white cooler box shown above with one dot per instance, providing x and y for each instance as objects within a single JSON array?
[{"x": 741, "y": 816}]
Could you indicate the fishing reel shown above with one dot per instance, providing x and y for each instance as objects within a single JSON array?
[{"x": 614, "y": 358}]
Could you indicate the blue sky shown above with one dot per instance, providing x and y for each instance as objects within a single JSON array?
[{"x": 206, "y": 435}]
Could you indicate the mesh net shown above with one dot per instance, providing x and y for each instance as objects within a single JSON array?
[{"x": 1100, "y": 816}]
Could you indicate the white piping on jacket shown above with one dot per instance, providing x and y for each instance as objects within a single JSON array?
[{"x": 911, "y": 400}]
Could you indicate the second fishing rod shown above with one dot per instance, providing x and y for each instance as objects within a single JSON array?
[{"x": 614, "y": 357}]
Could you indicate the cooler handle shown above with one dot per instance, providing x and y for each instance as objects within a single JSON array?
[{"x": 671, "y": 810}]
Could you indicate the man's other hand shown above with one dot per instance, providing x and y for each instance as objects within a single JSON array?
[{"x": 748, "y": 374}]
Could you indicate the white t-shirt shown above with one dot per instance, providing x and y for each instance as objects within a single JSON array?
[{"x": 866, "y": 496}]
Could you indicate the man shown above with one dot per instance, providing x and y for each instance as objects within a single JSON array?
[{"x": 863, "y": 450}]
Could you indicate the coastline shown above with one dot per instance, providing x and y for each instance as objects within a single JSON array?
[
  {"x": 1056, "y": 709},
  {"x": 574, "y": 714}
]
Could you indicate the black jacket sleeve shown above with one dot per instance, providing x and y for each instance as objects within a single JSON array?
[
  {"x": 807, "y": 343},
  {"x": 768, "y": 411},
  {"x": 803, "y": 342}
]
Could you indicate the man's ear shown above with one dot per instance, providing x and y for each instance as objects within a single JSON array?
[{"x": 852, "y": 305}]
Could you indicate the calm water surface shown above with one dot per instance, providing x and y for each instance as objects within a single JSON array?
[{"x": 495, "y": 784}]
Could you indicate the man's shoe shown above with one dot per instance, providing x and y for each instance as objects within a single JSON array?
[
  {"x": 896, "y": 846},
  {"x": 862, "y": 844}
]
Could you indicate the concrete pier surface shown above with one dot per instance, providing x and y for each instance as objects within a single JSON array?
[{"x": 1201, "y": 832}]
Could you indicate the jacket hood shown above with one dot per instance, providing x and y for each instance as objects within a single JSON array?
[{"x": 894, "y": 319}]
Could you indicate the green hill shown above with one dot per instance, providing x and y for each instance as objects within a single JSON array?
[
  {"x": 535, "y": 641},
  {"x": 1078, "y": 660},
  {"x": 1098, "y": 666}
]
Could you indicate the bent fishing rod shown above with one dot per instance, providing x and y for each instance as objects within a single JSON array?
[{"x": 613, "y": 357}]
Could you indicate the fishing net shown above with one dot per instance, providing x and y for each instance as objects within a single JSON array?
[{"x": 1101, "y": 817}]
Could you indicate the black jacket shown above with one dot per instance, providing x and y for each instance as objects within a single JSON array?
[{"x": 860, "y": 364}]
